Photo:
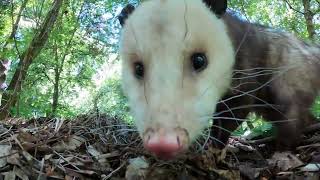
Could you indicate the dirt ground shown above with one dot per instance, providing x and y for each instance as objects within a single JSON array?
[{"x": 100, "y": 147}]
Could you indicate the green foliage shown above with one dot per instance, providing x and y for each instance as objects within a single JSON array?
[
  {"x": 111, "y": 100},
  {"x": 285, "y": 15},
  {"x": 257, "y": 127},
  {"x": 4, "y": 18},
  {"x": 316, "y": 108},
  {"x": 85, "y": 34}
]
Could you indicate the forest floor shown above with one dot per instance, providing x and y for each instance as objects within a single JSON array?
[{"x": 99, "y": 147}]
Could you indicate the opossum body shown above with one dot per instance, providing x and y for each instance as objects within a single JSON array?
[{"x": 186, "y": 60}]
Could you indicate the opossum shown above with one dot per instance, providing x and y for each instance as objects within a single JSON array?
[{"x": 186, "y": 63}]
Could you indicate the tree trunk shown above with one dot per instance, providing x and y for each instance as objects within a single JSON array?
[
  {"x": 16, "y": 24},
  {"x": 55, "y": 96},
  {"x": 3, "y": 61},
  {"x": 10, "y": 97},
  {"x": 58, "y": 69},
  {"x": 308, "y": 16}
]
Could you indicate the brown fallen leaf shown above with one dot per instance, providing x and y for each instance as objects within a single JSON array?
[
  {"x": 71, "y": 144},
  {"x": 4, "y": 152},
  {"x": 249, "y": 171},
  {"x": 284, "y": 161},
  {"x": 24, "y": 136},
  {"x": 62, "y": 160},
  {"x": 27, "y": 155},
  {"x": 9, "y": 175},
  {"x": 312, "y": 167},
  {"x": 14, "y": 158},
  {"x": 137, "y": 169},
  {"x": 48, "y": 156},
  {"x": 78, "y": 173},
  {"x": 22, "y": 175}
]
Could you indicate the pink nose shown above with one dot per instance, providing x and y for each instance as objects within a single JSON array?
[{"x": 165, "y": 145}]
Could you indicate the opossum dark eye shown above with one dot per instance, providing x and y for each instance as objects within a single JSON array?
[
  {"x": 199, "y": 61},
  {"x": 138, "y": 70}
]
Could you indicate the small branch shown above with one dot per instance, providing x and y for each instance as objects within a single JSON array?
[
  {"x": 113, "y": 172},
  {"x": 312, "y": 128},
  {"x": 290, "y": 6},
  {"x": 243, "y": 10},
  {"x": 257, "y": 142}
]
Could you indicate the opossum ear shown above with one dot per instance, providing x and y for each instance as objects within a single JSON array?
[
  {"x": 219, "y": 7},
  {"x": 126, "y": 11}
]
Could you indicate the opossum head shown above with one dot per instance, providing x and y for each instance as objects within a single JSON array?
[{"x": 177, "y": 63}]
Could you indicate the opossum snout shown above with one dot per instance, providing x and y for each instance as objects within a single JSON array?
[{"x": 165, "y": 143}]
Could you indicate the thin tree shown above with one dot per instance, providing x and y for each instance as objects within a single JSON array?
[{"x": 38, "y": 42}]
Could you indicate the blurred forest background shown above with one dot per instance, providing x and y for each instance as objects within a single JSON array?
[{"x": 63, "y": 54}]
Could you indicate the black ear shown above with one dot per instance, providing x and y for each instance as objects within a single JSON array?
[
  {"x": 219, "y": 7},
  {"x": 126, "y": 11}
]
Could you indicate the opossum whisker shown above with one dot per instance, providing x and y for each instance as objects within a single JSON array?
[
  {"x": 216, "y": 114},
  {"x": 227, "y": 118},
  {"x": 250, "y": 91},
  {"x": 200, "y": 145},
  {"x": 243, "y": 40},
  {"x": 244, "y": 120},
  {"x": 259, "y": 68},
  {"x": 263, "y": 85},
  {"x": 285, "y": 69},
  {"x": 221, "y": 128},
  {"x": 229, "y": 109},
  {"x": 252, "y": 76},
  {"x": 207, "y": 137},
  {"x": 217, "y": 140},
  {"x": 262, "y": 71},
  {"x": 246, "y": 83},
  {"x": 257, "y": 98},
  {"x": 258, "y": 153},
  {"x": 240, "y": 107},
  {"x": 284, "y": 120}
]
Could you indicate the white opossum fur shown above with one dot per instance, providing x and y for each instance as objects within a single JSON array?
[
  {"x": 171, "y": 94},
  {"x": 176, "y": 103}
]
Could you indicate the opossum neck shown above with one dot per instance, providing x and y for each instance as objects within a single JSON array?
[{"x": 251, "y": 45}]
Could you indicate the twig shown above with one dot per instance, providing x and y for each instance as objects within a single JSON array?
[
  {"x": 17, "y": 141},
  {"x": 41, "y": 169},
  {"x": 116, "y": 170},
  {"x": 260, "y": 141},
  {"x": 6, "y": 131},
  {"x": 290, "y": 6},
  {"x": 309, "y": 146},
  {"x": 65, "y": 160},
  {"x": 8, "y": 155},
  {"x": 312, "y": 128},
  {"x": 312, "y": 140}
]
